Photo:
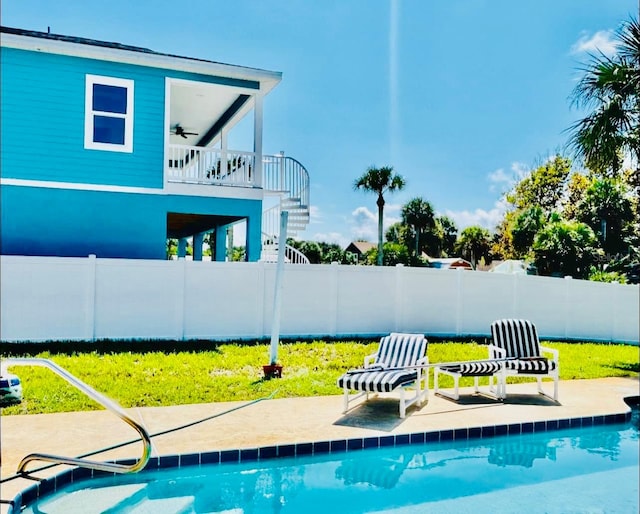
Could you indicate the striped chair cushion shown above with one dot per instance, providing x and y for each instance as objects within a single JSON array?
[
  {"x": 534, "y": 366},
  {"x": 518, "y": 337},
  {"x": 401, "y": 350},
  {"x": 474, "y": 369},
  {"x": 519, "y": 454},
  {"x": 377, "y": 381}
]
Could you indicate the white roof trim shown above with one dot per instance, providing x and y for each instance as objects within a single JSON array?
[
  {"x": 177, "y": 189},
  {"x": 267, "y": 79}
]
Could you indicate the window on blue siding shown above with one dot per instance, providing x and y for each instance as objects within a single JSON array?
[
  {"x": 109, "y": 98},
  {"x": 108, "y": 114},
  {"x": 108, "y": 130}
]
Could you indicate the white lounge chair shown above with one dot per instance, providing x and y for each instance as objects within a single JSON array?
[
  {"x": 394, "y": 366},
  {"x": 524, "y": 354}
]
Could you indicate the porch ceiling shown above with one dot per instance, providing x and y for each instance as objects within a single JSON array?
[
  {"x": 185, "y": 225},
  {"x": 202, "y": 110}
]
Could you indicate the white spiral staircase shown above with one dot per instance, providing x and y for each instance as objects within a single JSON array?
[{"x": 288, "y": 180}]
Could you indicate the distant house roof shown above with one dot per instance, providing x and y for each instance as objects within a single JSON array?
[
  {"x": 450, "y": 263},
  {"x": 360, "y": 247},
  {"x": 110, "y": 51}
]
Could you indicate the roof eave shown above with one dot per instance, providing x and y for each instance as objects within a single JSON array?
[{"x": 267, "y": 79}]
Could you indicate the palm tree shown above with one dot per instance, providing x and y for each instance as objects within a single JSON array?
[
  {"x": 611, "y": 87},
  {"x": 474, "y": 243},
  {"x": 379, "y": 181},
  {"x": 419, "y": 214}
]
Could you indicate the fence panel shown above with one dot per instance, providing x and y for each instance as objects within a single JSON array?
[
  {"x": 223, "y": 299},
  {"x": 138, "y": 299},
  {"x": 47, "y": 298},
  {"x": 428, "y": 301},
  {"x": 365, "y": 300},
  {"x": 484, "y": 297}
]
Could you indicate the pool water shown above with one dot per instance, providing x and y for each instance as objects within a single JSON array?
[{"x": 580, "y": 470}]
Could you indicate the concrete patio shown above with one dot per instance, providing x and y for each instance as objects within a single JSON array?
[{"x": 292, "y": 420}]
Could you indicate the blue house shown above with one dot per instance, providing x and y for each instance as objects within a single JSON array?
[{"x": 112, "y": 150}]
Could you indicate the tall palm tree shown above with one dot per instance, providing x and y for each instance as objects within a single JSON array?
[
  {"x": 379, "y": 181},
  {"x": 419, "y": 214},
  {"x": 611, "y": 88},
  {"x": 474, "y": 243}
]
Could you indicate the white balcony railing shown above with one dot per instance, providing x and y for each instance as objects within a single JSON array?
[{"x": 198, "y": 165}]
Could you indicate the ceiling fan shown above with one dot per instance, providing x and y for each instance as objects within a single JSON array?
[{"x": 178, "y": 130}]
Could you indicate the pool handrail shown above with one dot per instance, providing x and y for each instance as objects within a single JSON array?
[{"x": 102, "y": 400}]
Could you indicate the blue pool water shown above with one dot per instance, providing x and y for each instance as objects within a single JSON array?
[{"x": 580, "y": 470}]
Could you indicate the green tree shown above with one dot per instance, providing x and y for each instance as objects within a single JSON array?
[
  {"x": 527, "y": 224},
  {"x": 397, "y": 233},
  {"x": 332, "y": 252},
  {"x": 565, "y": 248},
  {"x": 575, "y": 189},
  {"x": 238, "y": 254},
  {"x": 610, "y": 87},
  {"x": 502, "y": 241},
  {"x": 394, "y": 253},
  {"x": 379, "y": 181},
  {"x": 474, "y": 243},
  {"x": 449, "y": 235},
  {"x": 312, "y": 250},
  {"x": 419, "y": 215},
  {"x": 606, "y": 208},
  {"x": 171, "y": 248},
  {"x": 320, "y": 252},
  {"x": 543, "y": 187}
]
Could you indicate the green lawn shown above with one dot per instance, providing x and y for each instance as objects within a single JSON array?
[{"x": 208, "y": 372}]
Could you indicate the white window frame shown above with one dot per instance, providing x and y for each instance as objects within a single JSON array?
[{"x": 89, "y": 113}]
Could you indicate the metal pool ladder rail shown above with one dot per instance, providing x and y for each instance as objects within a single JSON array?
[{"x": 102, "y": 400}]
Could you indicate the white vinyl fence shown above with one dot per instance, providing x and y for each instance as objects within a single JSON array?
[{"x": 86, "y": 299}]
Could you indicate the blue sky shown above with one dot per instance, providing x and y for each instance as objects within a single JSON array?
[{"x": 459, "y": 96}]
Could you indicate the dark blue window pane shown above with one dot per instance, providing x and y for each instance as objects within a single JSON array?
[
  {"x": 109, "y": 98},
  {"x": 108, "y": 130}
]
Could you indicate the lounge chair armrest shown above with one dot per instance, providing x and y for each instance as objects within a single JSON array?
[
  {"x": 370, "y": 360},
  {"x": 423, "y": 361},
  {"x": 552, "y": 351},
  {"x": 495, "y": 352}
]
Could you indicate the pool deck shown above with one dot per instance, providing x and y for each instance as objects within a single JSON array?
[{"x": 276, "y": 422}]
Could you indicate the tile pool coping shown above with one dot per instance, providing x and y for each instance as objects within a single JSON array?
[{"x": 52, "y": 484}]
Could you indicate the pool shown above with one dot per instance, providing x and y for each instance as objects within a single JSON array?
[{"x": 591, "y": 469}]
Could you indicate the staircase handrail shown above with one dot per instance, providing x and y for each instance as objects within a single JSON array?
[
  {"x": 285, "y": 174},
  {"x": 293, "y": 255}
]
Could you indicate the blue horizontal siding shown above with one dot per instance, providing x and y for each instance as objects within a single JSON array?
[
  {"x": 75, "y": 223},
  {"x": 42, "y": 119},
  {"x": 68, "y": 223}
]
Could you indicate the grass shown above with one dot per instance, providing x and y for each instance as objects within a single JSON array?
[{"x": 182, "y": 373}]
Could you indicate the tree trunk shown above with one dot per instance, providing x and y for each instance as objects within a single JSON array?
[{"x": 380, "y": 203}]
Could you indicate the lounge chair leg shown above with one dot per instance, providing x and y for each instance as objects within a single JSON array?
[
  {"x": 346, "y": 401},
  {"x": 403, "y": 406},
  {"x": 426, "y": 387},
  {"x": 475, "y": 385}
]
